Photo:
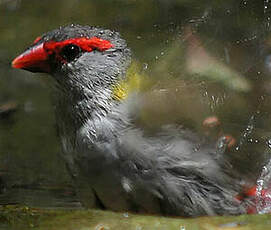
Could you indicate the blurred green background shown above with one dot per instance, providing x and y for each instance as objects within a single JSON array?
[{"x": 218, "y": 52}]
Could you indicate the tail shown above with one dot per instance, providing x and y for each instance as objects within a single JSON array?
[{"x": 258, "y": 197}]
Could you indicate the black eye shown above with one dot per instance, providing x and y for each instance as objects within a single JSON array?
[{"x": 70, "y": 52}]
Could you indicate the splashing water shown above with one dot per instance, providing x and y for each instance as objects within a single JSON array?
[
  {"x": 266, "y": 11},
  {"x": 263, "y": 190},
  {"x": 247, "y": 132}
]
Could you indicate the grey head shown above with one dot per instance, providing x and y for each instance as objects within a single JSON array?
[
  {"x": 78, "y": 56},
  {"x": 86, "y": 62}
]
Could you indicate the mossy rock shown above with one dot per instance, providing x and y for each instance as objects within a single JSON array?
[{"x": 18, "y": 217}]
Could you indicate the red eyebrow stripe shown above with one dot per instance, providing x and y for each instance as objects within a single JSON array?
[{"x": 86, "y": 44}]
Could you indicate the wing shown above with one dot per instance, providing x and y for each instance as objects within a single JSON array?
[
  {"x": 168, "y": 170},
  {"x": 183, "y": 174}
]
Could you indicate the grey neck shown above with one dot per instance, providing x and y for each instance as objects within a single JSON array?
[{"x": 79, "y": 104}]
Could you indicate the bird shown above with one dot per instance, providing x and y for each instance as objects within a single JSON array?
[{"x": 115, "y": 164}]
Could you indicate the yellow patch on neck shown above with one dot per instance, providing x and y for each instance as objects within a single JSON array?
[{"x": 131, "y": 83}]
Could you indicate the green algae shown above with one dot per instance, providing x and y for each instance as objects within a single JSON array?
[{"x": 22, "y": 217}]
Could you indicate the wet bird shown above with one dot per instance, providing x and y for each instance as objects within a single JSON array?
[{"x": 115, "y": 164}]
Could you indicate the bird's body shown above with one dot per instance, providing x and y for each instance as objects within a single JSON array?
[
  {"x": 116, "y": 164},
  {"x": 128, "y": 170}
]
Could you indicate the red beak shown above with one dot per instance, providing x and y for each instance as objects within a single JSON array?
[{"x": 35, "y": 59}]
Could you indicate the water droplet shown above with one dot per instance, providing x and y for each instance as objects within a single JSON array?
[
  {"x": 232, "y": 225},
  {"x": 126, "y": 184},
  {"x": 145, "y": 66},
  {"x": 250, "y": 140},
  {"x": 182, "y": 228},
  {"x": 162, "y": 53},
  {"x": 263, "y": 190},
  {"x": 195, "y": 149},
  {"x": 156, "y": 57},
  {"x": 126, "y": 215},
  {"x": 138, "y": 37}
]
